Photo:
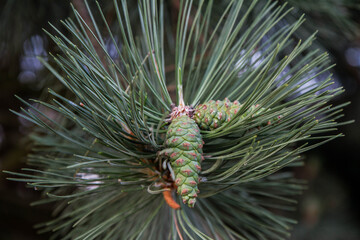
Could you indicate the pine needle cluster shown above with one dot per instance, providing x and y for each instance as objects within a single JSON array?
[{"x": 96, "y": 151}]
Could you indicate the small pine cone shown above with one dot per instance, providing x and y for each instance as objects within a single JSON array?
[
  {"x": 184, "y": 150},
  {"x": 213, "y": 114}
]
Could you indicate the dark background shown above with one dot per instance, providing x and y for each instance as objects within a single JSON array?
[{"x": 329, "y": 209}]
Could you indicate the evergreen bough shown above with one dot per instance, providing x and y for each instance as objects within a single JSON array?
[{"x": 99, "y": 154}]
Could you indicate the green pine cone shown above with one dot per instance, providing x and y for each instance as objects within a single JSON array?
[
  {"x": 184, "y": 150},
  {"x": 213, "y": 114}
]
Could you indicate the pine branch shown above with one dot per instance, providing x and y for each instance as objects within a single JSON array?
[{"x": 104, "y": 159}]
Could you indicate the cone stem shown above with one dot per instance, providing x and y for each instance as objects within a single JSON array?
[{"x": 181, "y": 102}]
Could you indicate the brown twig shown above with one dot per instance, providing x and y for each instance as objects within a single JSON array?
[{"x": 170, "y": 200}]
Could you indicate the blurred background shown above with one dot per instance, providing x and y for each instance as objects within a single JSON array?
[{"x": 328, "y": 209}]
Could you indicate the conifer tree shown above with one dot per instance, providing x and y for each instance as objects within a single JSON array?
[{"x": 124, "y": 158}]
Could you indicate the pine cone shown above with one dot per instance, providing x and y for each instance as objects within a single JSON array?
[
  {"x": 213, "y": 114},
  {"x": 184, "y": 150}
]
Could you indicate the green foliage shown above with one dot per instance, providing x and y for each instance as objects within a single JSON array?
[
  {"x": 95, "y": 153},
  {"x": 333, "y": 18}
]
